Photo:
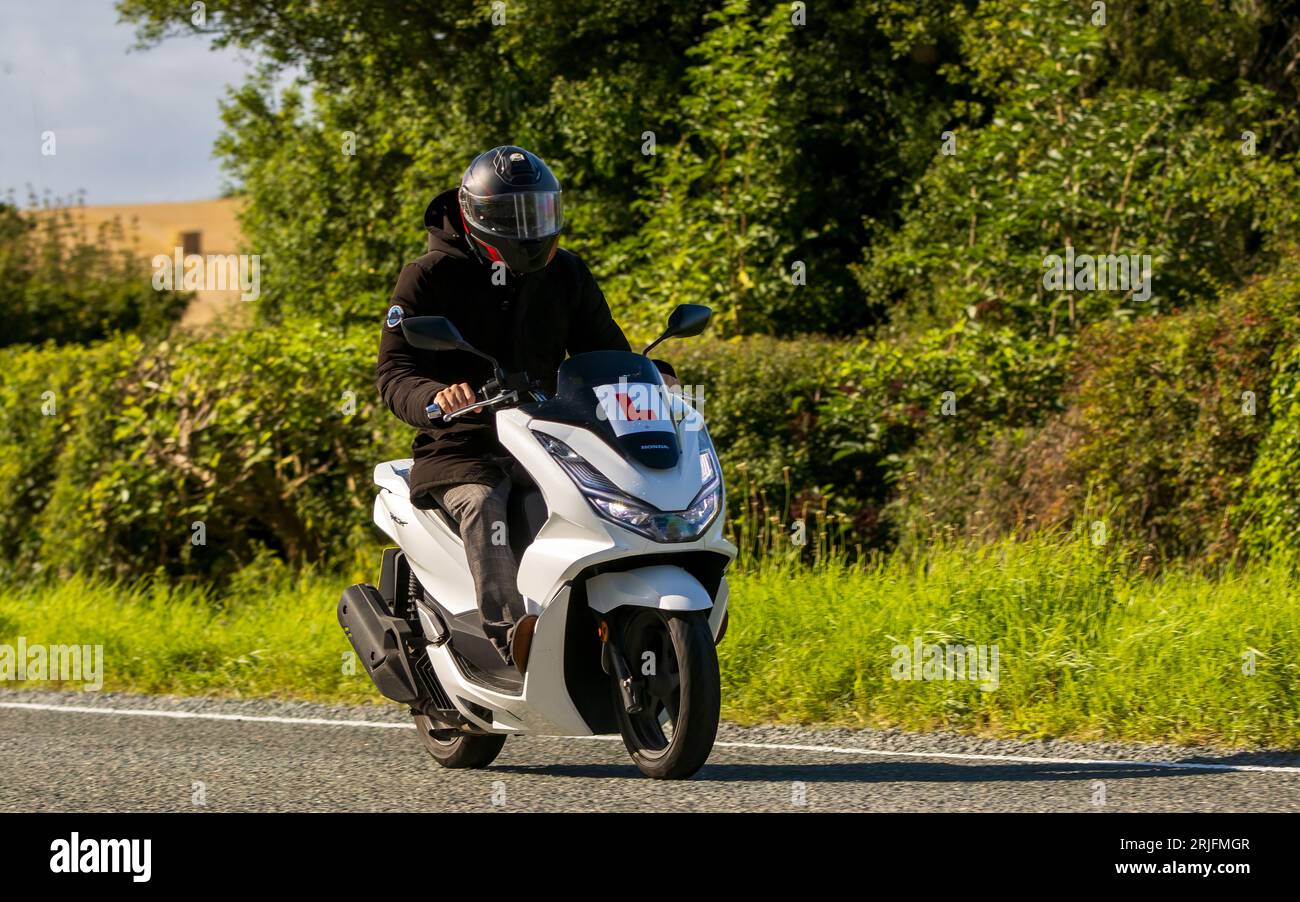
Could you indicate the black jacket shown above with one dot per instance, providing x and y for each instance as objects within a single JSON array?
[{"x": 531, "y": 322}]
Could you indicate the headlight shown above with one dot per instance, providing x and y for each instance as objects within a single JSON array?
[
  {"x": 708, "y": 466},
  {"x": 621, "y": 508},
  {"x": 673, "y": 526}
]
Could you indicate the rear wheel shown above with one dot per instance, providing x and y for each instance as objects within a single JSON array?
[
  {"x": 673, "y": 656},
  {"x": 452, "y": 748}
]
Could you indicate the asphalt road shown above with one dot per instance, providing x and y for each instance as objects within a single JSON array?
[{"x": 104, "y": 752}]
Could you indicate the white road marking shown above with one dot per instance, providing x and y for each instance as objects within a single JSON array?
[
  {"x": 770, "y": 746},
  {"x": 194, "y": 715}
]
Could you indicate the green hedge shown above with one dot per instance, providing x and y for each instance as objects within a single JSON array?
[
  {"x": 1156, "y": 437},
  {"x": 45, "y": 395},
  {"x": 946, "y": 390},
  {"x": 267, "y": 438},
  {"x": 1270, "y": 513},
  {"x": 252, "y": 434},
  {"x": 762, "y": 398},
  {"x": 59, "y": 282}
]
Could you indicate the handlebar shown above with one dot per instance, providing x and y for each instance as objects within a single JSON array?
[
  {"x": 434, "y": 411},
  {"x": 508, "y": 387}
]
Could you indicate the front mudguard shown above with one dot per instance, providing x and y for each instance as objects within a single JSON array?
[{"x": 662, "y": 586}]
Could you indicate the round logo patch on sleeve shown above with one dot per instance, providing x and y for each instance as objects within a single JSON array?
[{"x": 394, "y": 316}]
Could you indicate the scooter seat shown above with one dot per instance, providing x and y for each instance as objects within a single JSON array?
[{"x": 395, "y": 475}]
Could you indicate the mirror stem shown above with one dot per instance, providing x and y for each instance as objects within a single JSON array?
[
  {"x": 497, "y": 372},
  {"x": 654, "y": 344}
]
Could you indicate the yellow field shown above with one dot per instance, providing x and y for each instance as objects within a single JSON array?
[{"x": 157, "y": 229}]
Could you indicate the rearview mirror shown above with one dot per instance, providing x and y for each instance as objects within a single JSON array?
[
  {"x": 688, "y": 320},
  {"x": 685, "y": 321},
  {"x": 433, "y": 333},
  {"x": 437, "y": 333}
]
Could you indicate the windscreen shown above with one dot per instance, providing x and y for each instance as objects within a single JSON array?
[{"x": 619, "y": 396}]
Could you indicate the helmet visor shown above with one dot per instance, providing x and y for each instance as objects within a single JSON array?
[{"x": 530, "y": 214}]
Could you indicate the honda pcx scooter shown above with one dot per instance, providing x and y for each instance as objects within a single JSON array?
[{"x": 621, "y": 555}]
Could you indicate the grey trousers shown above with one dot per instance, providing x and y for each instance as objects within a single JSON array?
[{"x": 480, "y": 512}]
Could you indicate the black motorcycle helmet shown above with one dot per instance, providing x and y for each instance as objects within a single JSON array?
[{"x": 510, "y": 204}]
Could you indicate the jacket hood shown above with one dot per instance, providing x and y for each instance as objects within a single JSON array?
[{"x": 442, "y": 220}]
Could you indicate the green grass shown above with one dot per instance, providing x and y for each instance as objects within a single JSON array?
[
  {"x": 1088, "y": 647},
  {"x": 158, "y": 638}
]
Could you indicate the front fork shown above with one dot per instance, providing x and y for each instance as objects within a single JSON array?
[{"x": 614, "y": 662}]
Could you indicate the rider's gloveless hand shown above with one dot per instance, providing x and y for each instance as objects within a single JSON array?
[{"x": 455, "y": 397}]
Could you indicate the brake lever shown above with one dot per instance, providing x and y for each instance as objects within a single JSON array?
[
  {"x": 504, "y": 397},
  {"x": 508, "y": 387},
  {"x": 434, "y": 411}
]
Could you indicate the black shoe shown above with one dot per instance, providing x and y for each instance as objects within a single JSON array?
[{"x": 499, "y": 634}]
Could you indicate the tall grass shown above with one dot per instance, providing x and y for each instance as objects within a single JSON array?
[
  {"x": 264, "y": 638},
  {"x": 1089, "y": 646},
  {"x": 791, "y": 530}
]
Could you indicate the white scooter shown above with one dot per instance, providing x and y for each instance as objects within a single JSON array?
[{"x": 621, "y": 555}]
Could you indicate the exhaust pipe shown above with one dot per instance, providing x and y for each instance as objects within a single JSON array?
[{"x": 380, "y": 640}]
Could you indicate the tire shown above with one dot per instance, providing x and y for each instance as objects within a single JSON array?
[
  {"x": 684, "y": 653},
  {"x": 454, "y": 749}
]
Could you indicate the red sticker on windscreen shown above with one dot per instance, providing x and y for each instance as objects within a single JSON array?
[{"x": 634, "y": 407}]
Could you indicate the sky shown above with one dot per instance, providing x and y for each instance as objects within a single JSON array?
[{"x": 130, "y": 126}]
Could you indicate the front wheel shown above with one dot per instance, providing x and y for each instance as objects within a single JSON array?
[
  {"x": 452, "y": 748},
  {"x": 673, "y": 656}
]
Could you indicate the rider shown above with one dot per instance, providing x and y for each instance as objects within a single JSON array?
[{"x": 494, "y": 268}]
